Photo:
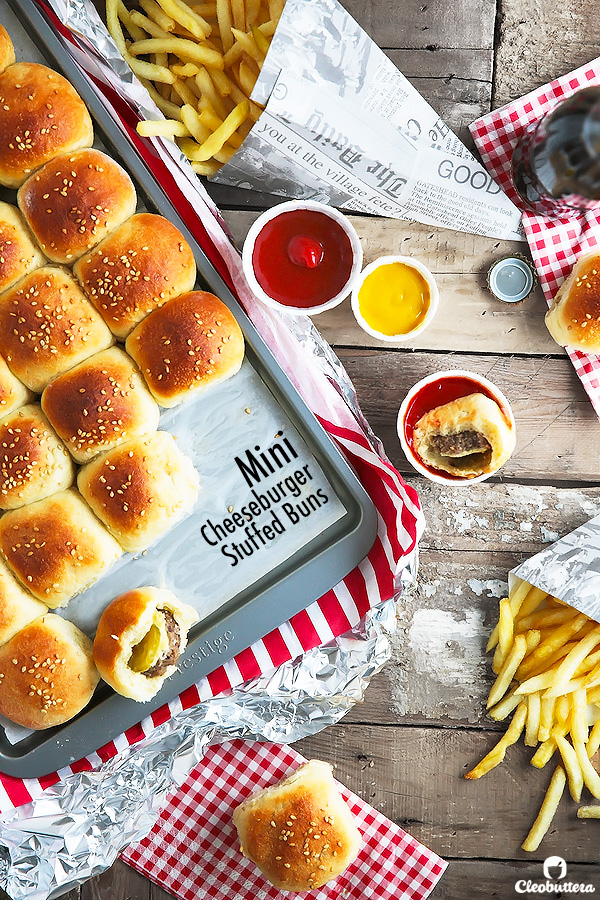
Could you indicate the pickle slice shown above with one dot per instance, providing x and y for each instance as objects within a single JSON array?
[{"x": 144, "y": 654}]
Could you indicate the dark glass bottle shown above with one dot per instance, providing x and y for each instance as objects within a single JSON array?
[{"x": 556, "y": 165}]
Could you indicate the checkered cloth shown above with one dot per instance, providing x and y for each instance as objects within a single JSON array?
[
  {"x": 555, "y": 243},
  {"x": 193, "y": 849}
]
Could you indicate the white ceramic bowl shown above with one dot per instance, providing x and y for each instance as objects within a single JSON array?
[
  {"x": 434, "y": 297},
  {"x": 270, "y": 214},
  {"x": 403, "y": 428}
]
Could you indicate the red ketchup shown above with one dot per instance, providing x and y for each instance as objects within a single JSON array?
[
  {"x": 435, "y": 394},
  {"x": 302, "y": 258}
]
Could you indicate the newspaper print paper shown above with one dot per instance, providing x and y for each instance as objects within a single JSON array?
[
  {"x": 343, "y": 125},
  {"x": 569, "y": 569}
]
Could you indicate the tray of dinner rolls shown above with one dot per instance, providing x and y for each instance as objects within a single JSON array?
[{"x": 166, "y": 497}]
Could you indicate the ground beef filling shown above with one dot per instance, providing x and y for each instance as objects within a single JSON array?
[
  {"x": 172, "y": 654},
  {"x": 463, "y": 443}
]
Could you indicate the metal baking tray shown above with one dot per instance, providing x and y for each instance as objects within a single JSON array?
[{"x": 260, "y": 607}]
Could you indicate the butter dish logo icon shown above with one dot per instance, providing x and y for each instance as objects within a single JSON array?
[{"x": 555, "y": 862}]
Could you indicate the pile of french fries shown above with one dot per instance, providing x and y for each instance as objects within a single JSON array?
[
  {"x": 199, "y": 62},
  {"x": 547, "y": 662}
]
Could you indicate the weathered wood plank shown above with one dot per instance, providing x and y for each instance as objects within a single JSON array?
[
  {"x": 468, "y": 314},
  {"x": 545, "y": 394},
  {"x": 416, "y": 779},
  {"x": 418, "y": 23},
  {"x": 538, "y": 40},
  {"x": 120, "y": 881}
]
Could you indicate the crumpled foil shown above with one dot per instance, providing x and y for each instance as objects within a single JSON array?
[{"x": 79, "y": 826}]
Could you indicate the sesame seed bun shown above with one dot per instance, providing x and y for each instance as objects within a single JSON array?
[
  {"x": 34, "y": 463},
  {"x": 574, "y": 317},
  {"x": 7, "y": 51},
  {"x": 299, "y": 832},
  {"x": 47, "y": 326},
  {"x": 47, "y": 674},
  {"x": 140, "y": 489},
  {"x": 189, "y": 344},
  {"x": 17, "y": 607},
  {"x": 13, "y": 393},
  {"x": 125, "y": 623},
  {"x": 74, "y": 201},
  {"x": 41, "y": 115},
  {"x": 18, "y": 252},
  {"x": 99, "y": 404},
  {"x": 136, "y": 269},
  {"x": 56, "y": 547}
]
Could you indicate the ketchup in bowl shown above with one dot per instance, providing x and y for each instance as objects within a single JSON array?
[{"x": 303, "y": 256}]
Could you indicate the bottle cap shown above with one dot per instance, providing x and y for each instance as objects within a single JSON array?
[{"x": 511, "y": 279}]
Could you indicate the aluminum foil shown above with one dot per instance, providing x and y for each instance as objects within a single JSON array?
[{"x": 568, "y": 569}]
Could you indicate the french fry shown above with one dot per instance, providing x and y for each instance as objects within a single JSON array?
[
  {"x": 191, "y": 21},
  {"x": 591, "y": 779},
  {"x": 498, "y": 752},
  {"x": 187, "y": 50},
  {"x": 570, "y": 663},
  {"x": 162, "y": 127},
  {"x": 239, "y": 14},
  {"x": 572, "y": 767},
  {"x": 516, "y": 601},
  {"x": 532, "y": 727},
  {"x": 223, "y": 133},
  {"x": 546, "y": 717},
  {"x": 158, "y": 15},
  {"x": 248, "y": 45},
  {"x": 593, "y": 741},
  {"x": 225, "y": 21},
  {"x": 506, "y": 674},
  {"x": 579, "y": 725},
  {"x": 588, "y": 812},
  {"x": 547, "y": 810},
  {"x": 504, "y": 708}
]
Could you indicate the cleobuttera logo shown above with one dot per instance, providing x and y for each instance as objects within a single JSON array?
[
  {"x": 555, "y": 862},
  {"x": 555, "y": 871}
]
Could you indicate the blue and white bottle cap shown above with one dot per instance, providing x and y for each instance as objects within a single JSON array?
[{"x": 511, "y": 279}]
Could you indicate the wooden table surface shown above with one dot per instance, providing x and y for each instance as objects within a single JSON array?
[{"x": 422, "y": 724}]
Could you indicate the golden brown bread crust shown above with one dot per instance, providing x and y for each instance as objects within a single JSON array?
[
  {"x": 123, "y": 624},
  {"x": 56, "y": 547},
  {"x": 34, "y": 463},
  {"x": 185, "y": 346},
  {"x": 18, "y": 252},
  {"x": 7, "y": 51},
  {"x": 47, "y": 674},
  {"x": 47, "y": 326},
  {"x": 41, "y": 115},
  {"x": 17, "y": 607},
  {"x": 74, "y": 201},
  {"x": 300, "y": 832},
  {"x": 474, "y": 413},
  {"x": 574, "y": 317},
  {"x": 13, "y": 393},
  {"x": 100, "y": 403},
  {"x": 136, "y": 269},
  {"x": 140, "y": 489}
]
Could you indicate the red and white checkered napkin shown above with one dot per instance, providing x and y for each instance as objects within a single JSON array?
[
  {"x": 400, "y": 520},
  {"x": 555, "y": 243},
  {"x": 193, "y": 849}
]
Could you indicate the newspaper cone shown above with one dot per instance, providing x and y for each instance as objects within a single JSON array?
[{"x": 342, "y": 125}]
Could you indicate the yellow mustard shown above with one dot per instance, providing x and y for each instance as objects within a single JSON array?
[{"x": 394, "y": 298}]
